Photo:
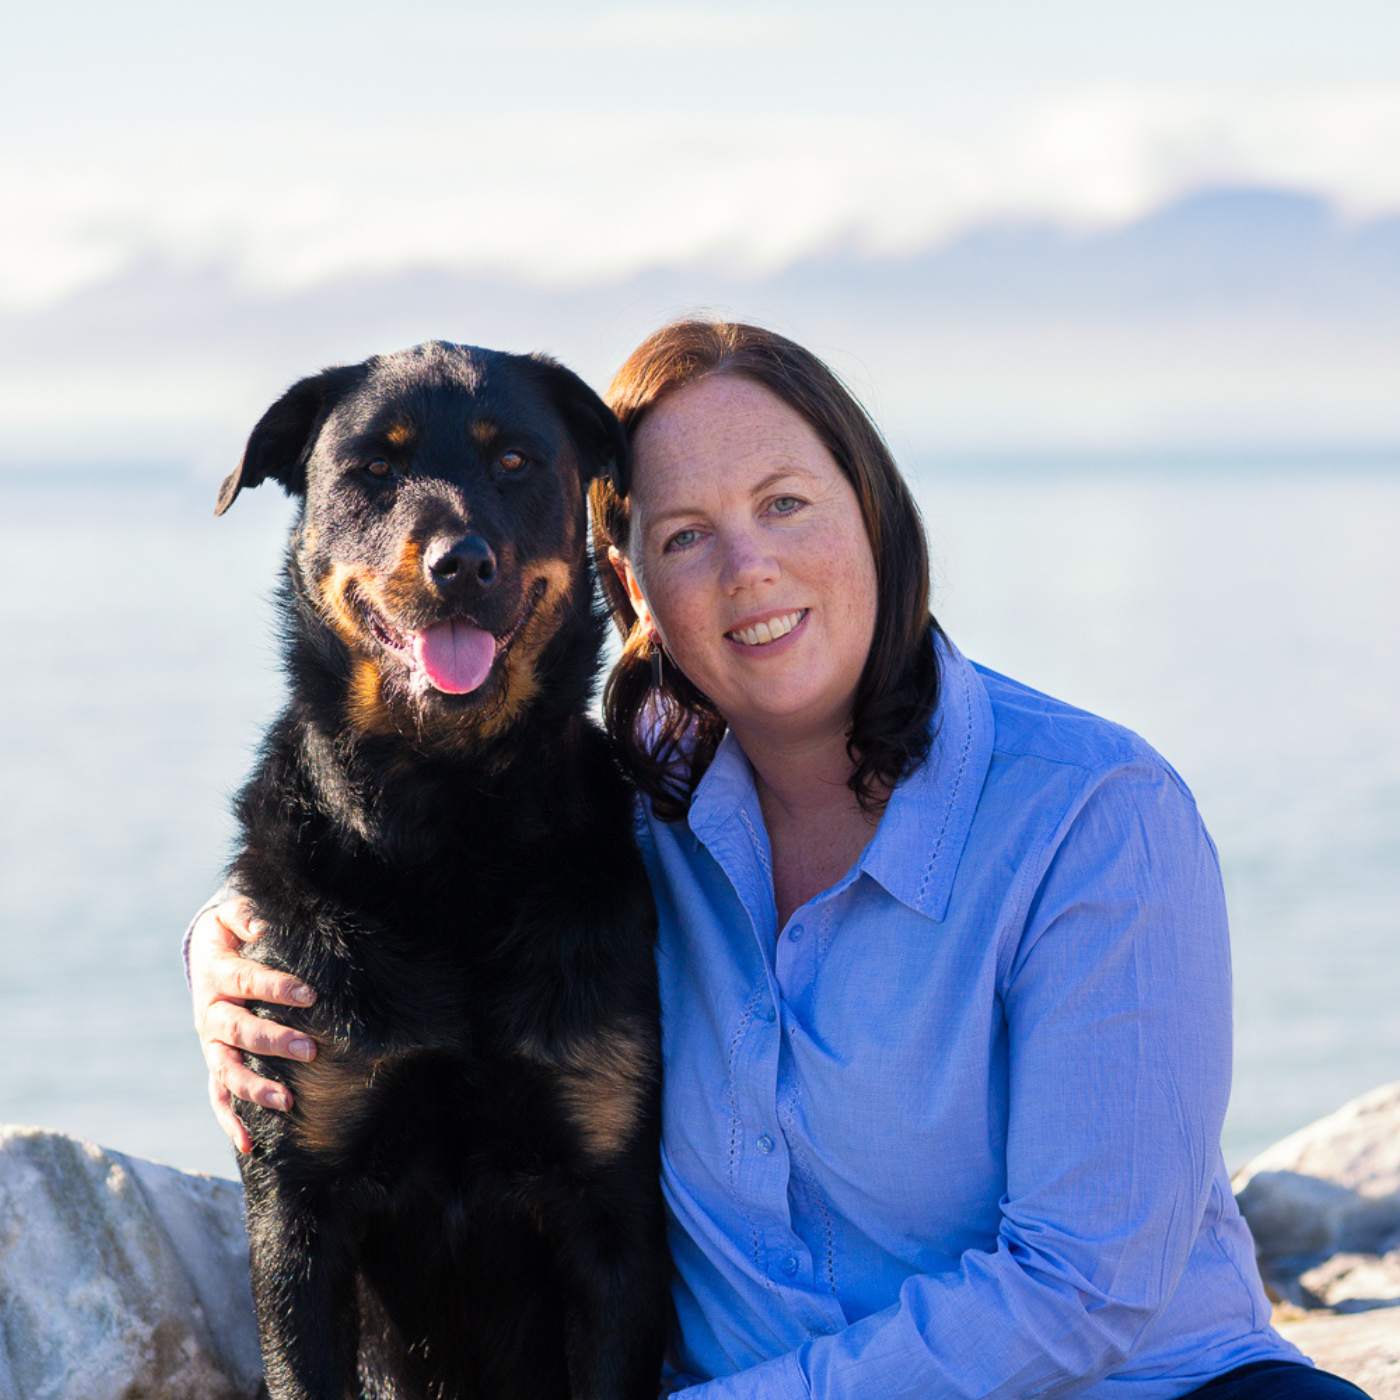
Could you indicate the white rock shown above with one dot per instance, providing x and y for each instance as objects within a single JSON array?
[
  {"x": 1364, "y": 1347},
  {"x": 119, "y": 1277},
  {"x": 1355, "y": 1282},
  {"x": 1331, "y": 1188},
  {"x": 1324, "y": 1208}
]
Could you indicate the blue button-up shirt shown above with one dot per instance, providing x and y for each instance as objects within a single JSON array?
[{"x": 954, "y": 1130}]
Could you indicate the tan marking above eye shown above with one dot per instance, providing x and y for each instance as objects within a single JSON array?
[
  {"x": 399, "y": 433},
  {"x": 483, "y": 430}
]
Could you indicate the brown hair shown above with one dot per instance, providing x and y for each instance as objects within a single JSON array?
[{"x": 667, "y": 736}]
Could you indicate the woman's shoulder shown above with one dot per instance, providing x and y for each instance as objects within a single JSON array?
[
  {"x": 1066, "y": 777},
  {"x": 1030, "y": 724}
]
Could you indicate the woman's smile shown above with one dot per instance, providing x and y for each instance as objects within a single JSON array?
[{"x": 761, "y": 633}]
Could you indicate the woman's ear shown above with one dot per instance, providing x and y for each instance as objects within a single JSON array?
[{"x": 622, "y": 567}]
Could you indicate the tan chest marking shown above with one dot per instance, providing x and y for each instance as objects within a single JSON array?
[
  {"x": 603, "y": 1084},
  {"x": 334, "y": 1099}
]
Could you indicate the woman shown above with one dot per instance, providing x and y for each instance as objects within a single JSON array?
[{"x": 944, "y": 963}]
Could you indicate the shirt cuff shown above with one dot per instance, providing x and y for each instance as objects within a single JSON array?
[{"x": 222, "y": 893}]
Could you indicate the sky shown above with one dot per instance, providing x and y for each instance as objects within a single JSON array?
[{"x": 542, "y": 150}]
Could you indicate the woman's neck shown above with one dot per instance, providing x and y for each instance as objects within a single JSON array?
[
  {"x": 816, "y": 828},
  {"x": 799, "y": 775}
]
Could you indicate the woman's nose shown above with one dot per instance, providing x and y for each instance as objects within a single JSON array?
[{"x": 748, "y": 562}]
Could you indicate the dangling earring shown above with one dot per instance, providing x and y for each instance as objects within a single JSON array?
[{"x": 656, "y": 655}]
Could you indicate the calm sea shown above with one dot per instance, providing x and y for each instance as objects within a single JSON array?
[{"x": 1242, "y": 618}]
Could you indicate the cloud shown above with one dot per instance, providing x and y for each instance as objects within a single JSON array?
[
  {"x": 1241, "y": 316},
  {"x": 563, "y": 198}
]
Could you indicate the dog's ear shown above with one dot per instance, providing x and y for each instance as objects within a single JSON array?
[
  {"x": 599, "y": 437},
  {"x": 283, "y": 438}
]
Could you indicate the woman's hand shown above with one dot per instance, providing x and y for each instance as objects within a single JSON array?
[{"x": 222, "y": 982}]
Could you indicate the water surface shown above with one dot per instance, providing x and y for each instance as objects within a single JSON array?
[{"x": 1242, "y": 620}]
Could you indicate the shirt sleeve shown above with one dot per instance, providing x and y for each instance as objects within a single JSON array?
[
  {"x": 224, "y": 892},
  {"x": 1117, "y": 1006}
]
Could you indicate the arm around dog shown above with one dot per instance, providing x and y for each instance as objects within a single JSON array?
[{"x": 222, "y": 982}]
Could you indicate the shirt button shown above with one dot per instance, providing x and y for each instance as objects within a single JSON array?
[
  {"x": 795, "y": 932},
  {"x": 790, "y": 1265},
  {"x": 765, "y": 1144}
]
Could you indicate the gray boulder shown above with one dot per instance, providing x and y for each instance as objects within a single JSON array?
[
  {"x": 1324, "y": 1208},
  {"x": 119, "y": 1279}
]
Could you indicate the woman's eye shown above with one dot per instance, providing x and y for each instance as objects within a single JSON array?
[
  {"x": 786, "y": 505},
  {"x": 682, "y": 538},
  {"x": 378, "y": 467},
  {"x": 512, "y": 461}
]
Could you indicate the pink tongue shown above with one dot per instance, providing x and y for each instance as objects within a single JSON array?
[{"x": 456, "y": 656}]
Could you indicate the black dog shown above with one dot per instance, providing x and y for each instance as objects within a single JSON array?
[{"x": 464, "y": 1201}]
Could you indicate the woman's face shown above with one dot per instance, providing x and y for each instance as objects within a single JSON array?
[{"x": 748, "y": 555}]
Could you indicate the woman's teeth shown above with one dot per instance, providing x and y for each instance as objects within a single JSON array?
[{"x": 761, "y": 633}]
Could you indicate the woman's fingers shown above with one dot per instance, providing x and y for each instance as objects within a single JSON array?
[
  {"x": 226, "y": 1023},
  {"x": 221, "y": 1101},
  {"x": 218, "y": 969},
  {"x": 226, "y": 1067},
  {"x": 239, "y": 916},
  {"x": 233, "y": 976},
  {"x": 222, "y": 981}
]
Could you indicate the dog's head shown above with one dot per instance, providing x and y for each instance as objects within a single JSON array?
[{"x": 442, "y": 540}]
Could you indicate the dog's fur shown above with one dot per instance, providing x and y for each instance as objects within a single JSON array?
[{"x": 464, "y": 1200}]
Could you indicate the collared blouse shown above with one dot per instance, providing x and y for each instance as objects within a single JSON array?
[{"x": 954, "y": 1130}]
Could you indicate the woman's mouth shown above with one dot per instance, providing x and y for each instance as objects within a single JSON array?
[{"x": 760, "y": 634}]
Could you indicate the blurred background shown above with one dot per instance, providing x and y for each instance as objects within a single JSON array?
[{"x": 1121, "y": 284}]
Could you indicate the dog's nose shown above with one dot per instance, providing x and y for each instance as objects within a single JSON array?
[{"x": 467, "y": 563}]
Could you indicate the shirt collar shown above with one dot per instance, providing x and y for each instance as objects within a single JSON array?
[
  {"x": 724, "y": 789},
  {"x": 916, "y": 849},
  {"x": 921, "y": 837}
]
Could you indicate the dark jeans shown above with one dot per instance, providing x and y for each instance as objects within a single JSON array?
[{"x": 1278, "y": 1380}]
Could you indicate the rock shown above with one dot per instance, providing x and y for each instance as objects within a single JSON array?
[
  {"x": 120, "y": 1279},
  {"x": 1324, "y": 1208},
  {"x": 1331, "y": 1188},
  {"x": 1355, "y": 1282},
  {"x": 124, "y": 1280},
  {"x": 1364, "y": 1347}
]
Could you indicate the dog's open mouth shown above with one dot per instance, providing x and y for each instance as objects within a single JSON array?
[{"x": 454, "y": 656}]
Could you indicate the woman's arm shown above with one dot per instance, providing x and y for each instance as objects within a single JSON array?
[
  {"x": 222, "y": 982},
  {"x": 1118, "y": 1013}
]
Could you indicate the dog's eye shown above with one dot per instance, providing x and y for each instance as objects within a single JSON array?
[
  {"x": 512, "y": 461},
  {"x": 378, "y": 467}
]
